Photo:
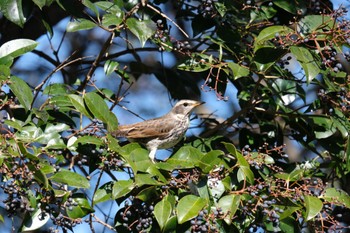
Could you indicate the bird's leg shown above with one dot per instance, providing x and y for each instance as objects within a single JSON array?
[{"x": 152, "y": 154}]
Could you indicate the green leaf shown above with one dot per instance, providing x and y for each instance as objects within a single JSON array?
[
  {"x": 307, "y": 61},
  {"x": 137, "y": 158},
  {"x": 311, "y": 24},
  {"x": 70, "y": 178},
  {"x": 147, "y": 194},
  {"x": 162, "y": 212},
  {"x": 56, "y": 128},
  {"x": 89, "y": 140},
  {"x": 143, "y": 30},
  {"x": 171, "y": 224},
  {"x": 323, "y": 126},
  {"x": 210, "y": 160},
  {"x": 286, "y": 91},
  {"x": 336, "y": 196},
  {"x": 347, "y": 158},
  {"x": 100, "y": 110},
  {"x": 42, "y": 3},
  {"x": 80, "y": 24},
  {"x": 296, "y": 174},
  {"x": 289, "y": 6},
  {"x": 82, "y": 208},
  {"x": 16, "y": 48},
  {"x": 109, "y": 7},
  {"x": 288, "y": 207},
  {"x": 266, "y": 57},
  {"x": 313, "y": 207},
  {"x": 114, "y": 15},
  {"x": 122, "y": 188},
  {"x": 79, "y": 105},
  {"x": 40, "y": 177},
  {"x": 269, "y": 33},
  {"x": 57, "y": 89},
  {"x": 238, "y": 70},
  {"x": 189, "y": 207},
  {"x": 34, "y": 222},
  {"x": 229, "y": 205},
  {"x": 146, "y": 179},
  {"x": 110, "y": 67},
  {"x": 216, "y": 187},
  {"x": 103, "y": 193},
  {"x": 22, "y": 91},
  {"x": 245, "y": 173},
  {"x": 185, "y": 157},
  {"x": 197, "y": 63},
  {"x": 288, "y": 225},
  {"x": 12, "y": 9},
  {"x": 92, "y": 7}
]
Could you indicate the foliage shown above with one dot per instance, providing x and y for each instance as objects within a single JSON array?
[{"x": 49, "y": 156}]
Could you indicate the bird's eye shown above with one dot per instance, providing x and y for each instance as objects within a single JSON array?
[{"x": 185, "y": 104}]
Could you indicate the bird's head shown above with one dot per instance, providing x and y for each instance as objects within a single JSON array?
[{"x": 185, "y": 107}]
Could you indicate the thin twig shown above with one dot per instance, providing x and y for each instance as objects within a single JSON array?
[{"x": 96, "y": 62}]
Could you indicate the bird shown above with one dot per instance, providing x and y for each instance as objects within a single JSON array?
[{"x": 162, "y": 132}]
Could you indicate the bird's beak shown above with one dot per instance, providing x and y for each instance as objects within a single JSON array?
[{"x": 199, "y": 103}]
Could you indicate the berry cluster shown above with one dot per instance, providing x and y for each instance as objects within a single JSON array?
[
  {"x": 112, "y": 162},
  {"x": 330, "y": 59},
  {"x": 205, "y": 221},
  {"x": 207, "y": 8},
  {"x": 342, "y": 97},
  {"x": 181, "y": 45},
  {"x": 161, "y": 36},
  {"x": 64, "y": 222},
  {"x": 284, "y": 62},
  {"x": 262, "y": 158},
  {"x": 56, "y": 209},
  {"x": 135, "y": 216},
  {"x": 15, "y": 201}
]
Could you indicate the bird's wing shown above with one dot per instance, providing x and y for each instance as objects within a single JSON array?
[{"x": 155, "y": 128}]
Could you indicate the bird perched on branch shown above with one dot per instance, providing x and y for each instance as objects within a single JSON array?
[{"x": 162, "y": 132}]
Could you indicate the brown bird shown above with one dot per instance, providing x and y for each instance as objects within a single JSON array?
[{"x": 162, "y": 132}]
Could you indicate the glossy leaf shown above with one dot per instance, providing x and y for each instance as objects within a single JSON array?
[
  {"x": 313, "y": 207},
  {"x": 210, "y": 160},
  {"x": 22, "y": 92},
  {"x": 42, "y": 3},
  {"x": 17, "y": 47},
  {"x": 238, "y": 70},
  {"x": 103, "y": 193},
  {"x": 80, "y": 24},
  {"x": 57, "y": 89},
  {"x": 34, "y": 221},
  {"x": 146, "y": 179},
  {"x": 189, "y": 207},
  {"x": 315, "y": 23},
  {"x": 110, "y": 67},
  {"x": 13, "y": 11},
  {"x": 229, "y": 205},
  {"x": 80, "y": 210},
  {"x": 185, "y": 157},
  {"x": 337, "y": 196},
  {"x": 270, "y": 33},
  {"x": 89, "y": 140},
  {"x": 70, "y": 178},
  {"x": 307, "y": 61},
  {"x": 143, "y": 30},
  {"x": 121, "y": 188},
  {"x": 78, "y": 102},
  {"x": 216, "y": 187},
  {"x": 100, "y": 110},
  {"x": 162, "y": 212}
]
